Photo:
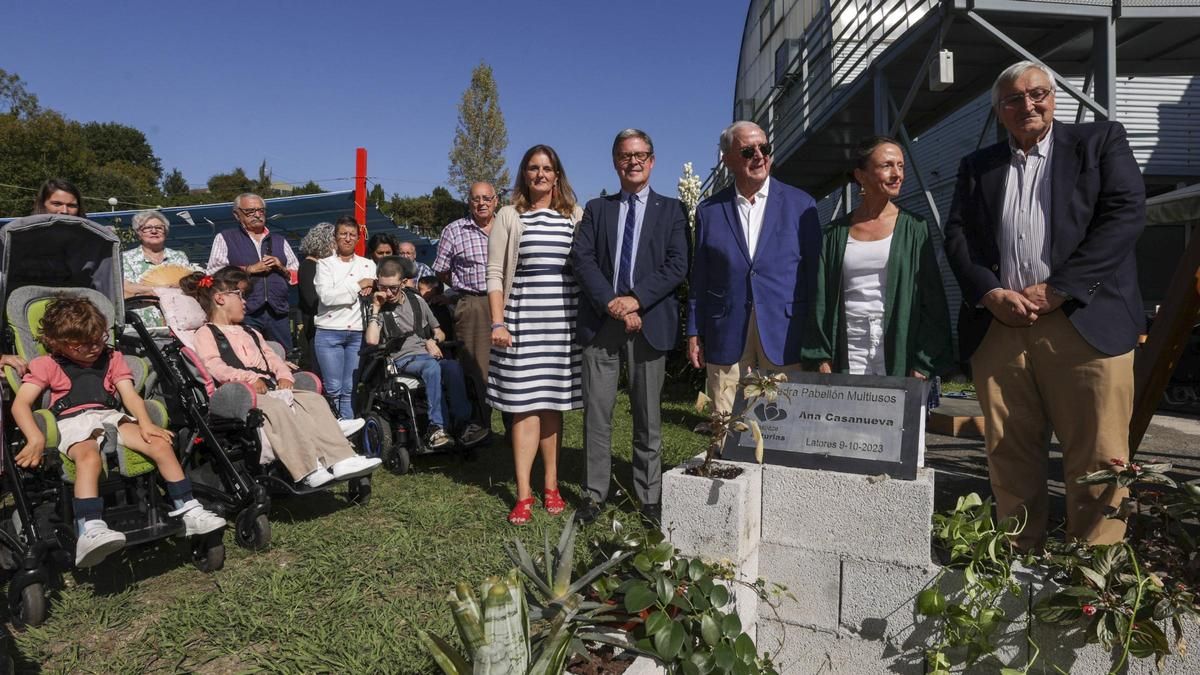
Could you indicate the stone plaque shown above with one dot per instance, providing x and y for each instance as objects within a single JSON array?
[{"x": 851, "y": 423}]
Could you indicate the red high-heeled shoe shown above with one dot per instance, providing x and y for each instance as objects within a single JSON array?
[
  {"x": 553, "y": 502},
  {"x": 521, "y": 512}
]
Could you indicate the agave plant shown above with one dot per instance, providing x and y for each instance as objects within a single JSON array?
[
  {"x": 556, "y": 597},
  {"x": 497, "y": 634}
]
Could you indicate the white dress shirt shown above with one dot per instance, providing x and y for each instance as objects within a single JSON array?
[
  {"x": 1024, "y": 237},
  {"x": 751, "y": 215}
]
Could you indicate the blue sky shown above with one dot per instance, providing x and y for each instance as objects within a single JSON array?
[{"x": 221, "y": 84}]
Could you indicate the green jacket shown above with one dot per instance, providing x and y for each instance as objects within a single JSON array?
[{"x": 916, "y": 321}]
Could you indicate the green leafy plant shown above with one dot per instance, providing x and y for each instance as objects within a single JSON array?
[{"x": 983, "y": 552}]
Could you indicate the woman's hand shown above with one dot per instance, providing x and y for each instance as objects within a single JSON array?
[
  {"x": 15, "y": 362},
  {"x": 30, "y": 456},
  {"x": 366, "y": 287},
  {"x": 825, "y": 367},
  {"x": 917, "y": 374},
  {"x": 260, "y": 386},
  {"x": 501, "y": 337},
  {"x": 284, "y": 384},
  {"x": 151, "y": 431}
]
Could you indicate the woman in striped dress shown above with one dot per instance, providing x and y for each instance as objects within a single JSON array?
[{"x": 535, "y": 364}]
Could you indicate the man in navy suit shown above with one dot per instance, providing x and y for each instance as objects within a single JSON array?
[
  {"x": 753, "y": 273},
  {"x": 1041, "y": 237},
  {"x": 630, "y": 254}
]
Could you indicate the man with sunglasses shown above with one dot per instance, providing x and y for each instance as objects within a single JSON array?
[
  {"x": 268, "y": 258},
  {"x": 1041, "y": 237},
  {"x": 754, "y": 269}
]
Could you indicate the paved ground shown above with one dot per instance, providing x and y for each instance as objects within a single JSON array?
[{"x": 962, "y": 465}]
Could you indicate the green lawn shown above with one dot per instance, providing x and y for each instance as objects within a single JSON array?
[{"x": 342, "y": 589}]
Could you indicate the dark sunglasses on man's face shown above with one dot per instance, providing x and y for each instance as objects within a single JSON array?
[{"x": 748, "y": 151}]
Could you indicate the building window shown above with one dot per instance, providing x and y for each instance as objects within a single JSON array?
[{"x": 768, "y": 20}]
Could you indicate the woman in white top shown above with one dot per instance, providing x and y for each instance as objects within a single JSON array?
[
  {"x": 879, "y": 306},
  {"x": 341, "y": 280}
]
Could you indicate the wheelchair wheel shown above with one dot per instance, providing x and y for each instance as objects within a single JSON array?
[
  {"x": 360, "y": 491},
  {"x": 376, "y": 436},
  {"x": 253, "y": 531},
  {"x": 30, "y": 610},
  {"x": 208, "y": 553},
  {"x": 398, "y": 459}
]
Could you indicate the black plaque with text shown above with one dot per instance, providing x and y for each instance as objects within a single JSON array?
[{"x": 862, "y": 424}]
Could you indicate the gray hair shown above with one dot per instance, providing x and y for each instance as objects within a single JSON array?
[
  {"x": 237, "y": 201},
  {"x": 731, "y": 131},
  {"x": 1010, "y": 75},
  {"x": 631, "y": 133},
  {"x": 318, "y": 242},
  {"x": 142, "y": 218}
]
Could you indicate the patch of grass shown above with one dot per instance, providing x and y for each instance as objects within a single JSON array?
[{"x": 343, "y": 588}]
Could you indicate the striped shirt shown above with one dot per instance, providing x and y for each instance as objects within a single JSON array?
[
  {"x": 1024, "y": 237},
  {"x": 463, "y": 251}
]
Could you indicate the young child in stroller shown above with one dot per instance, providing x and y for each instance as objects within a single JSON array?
[
  {"x": 303, "y": 432},
  {"x": 88, "y": 383},
  {"x": 398, "y": 313}
]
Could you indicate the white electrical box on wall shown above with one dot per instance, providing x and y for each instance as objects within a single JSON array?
[{"x": 941, "y": 71}]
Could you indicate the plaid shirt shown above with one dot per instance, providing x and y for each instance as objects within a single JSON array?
[{"x": 462, "y": 250}]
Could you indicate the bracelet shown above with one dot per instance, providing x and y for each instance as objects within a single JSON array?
[{"x": 499, "y": 325}]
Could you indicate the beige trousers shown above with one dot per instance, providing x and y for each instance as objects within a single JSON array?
[
  {"x": 722, "y": 381},
  {"x": 473, "y": 327},
  {"x": 1046, "y": 376},
  {"x": 303, "y": 433}
]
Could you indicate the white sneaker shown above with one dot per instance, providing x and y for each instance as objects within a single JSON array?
[
  {"x": 351, "y": 426},
  {"x": 197, "y": 519},
  {"x": 317, "y": 478},
  {"x": 353, "y": 467},
  {"x": 96, "y": 543}
]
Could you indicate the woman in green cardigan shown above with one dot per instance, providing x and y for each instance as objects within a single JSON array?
[{"x": 879, "y": 307}]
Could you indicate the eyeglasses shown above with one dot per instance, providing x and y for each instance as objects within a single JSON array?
[
  {"x": 347, "y": 235},
  {"x": 482, "y": 199},
  {"x": 153, "y": 228},
  {"x": 629, "y": 157},
  {"x": 85, "y": 347},
  {"x": 238, "y": 293},
  {"x": 389, "y": 288},
  {"x": 748, "y": 151},
  {"x": 1017, "y": 100},
  {"x": 253, "y": 212}
]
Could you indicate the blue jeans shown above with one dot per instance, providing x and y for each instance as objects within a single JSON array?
[
  {"x": 337, "y": 354},
  {"x": 434, "y": 373},
  {"x": 273, "y": 325}
]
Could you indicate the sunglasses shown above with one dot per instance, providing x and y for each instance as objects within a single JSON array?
[{"x": 748, "y": 151}]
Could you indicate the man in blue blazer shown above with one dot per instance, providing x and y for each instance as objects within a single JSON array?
[
  {"x": 630, "y": 254},
  {"x": 1041, "y": 237},
  {"x": 753, "y": 274}
]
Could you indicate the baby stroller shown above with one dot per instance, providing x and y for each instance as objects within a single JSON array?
[
  {"x": 395, "y": 407},
  {"x": 225, "y": 416},
  {"x": 43, "y": 257}
]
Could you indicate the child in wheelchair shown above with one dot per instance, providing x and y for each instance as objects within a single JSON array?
[
  {"x": 402, "y": 321},
  {"x": 89, "y": 383},
  {"x": 303, "y": 432}
]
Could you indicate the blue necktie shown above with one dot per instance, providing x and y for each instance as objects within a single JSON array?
[{"x": 625, "y": 283}]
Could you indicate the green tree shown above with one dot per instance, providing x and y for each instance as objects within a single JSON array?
[
  {"x": 426, "y": 214},
  {"x": 14, "y": 98},
  {"x": 263, "y": 185},
  {"x": 114, "y": 142},
  {"x": 376, "y": 196},
  {"x": 225, "y": 186},
  {"x": 133, "y": 185},
  {"x": 481, "y": 137},
  {"x": 174, "y": 185},
  {"x": 309, "y": 188},
  {"x": 37, "y": 147}
]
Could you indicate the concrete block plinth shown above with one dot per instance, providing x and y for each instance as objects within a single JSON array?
[
  {"x": 797, "y": 650},
  {"x": 718, "y": 520},
  {"x": 863, "y": 517},
  {"x": 812, "y": 581}
]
